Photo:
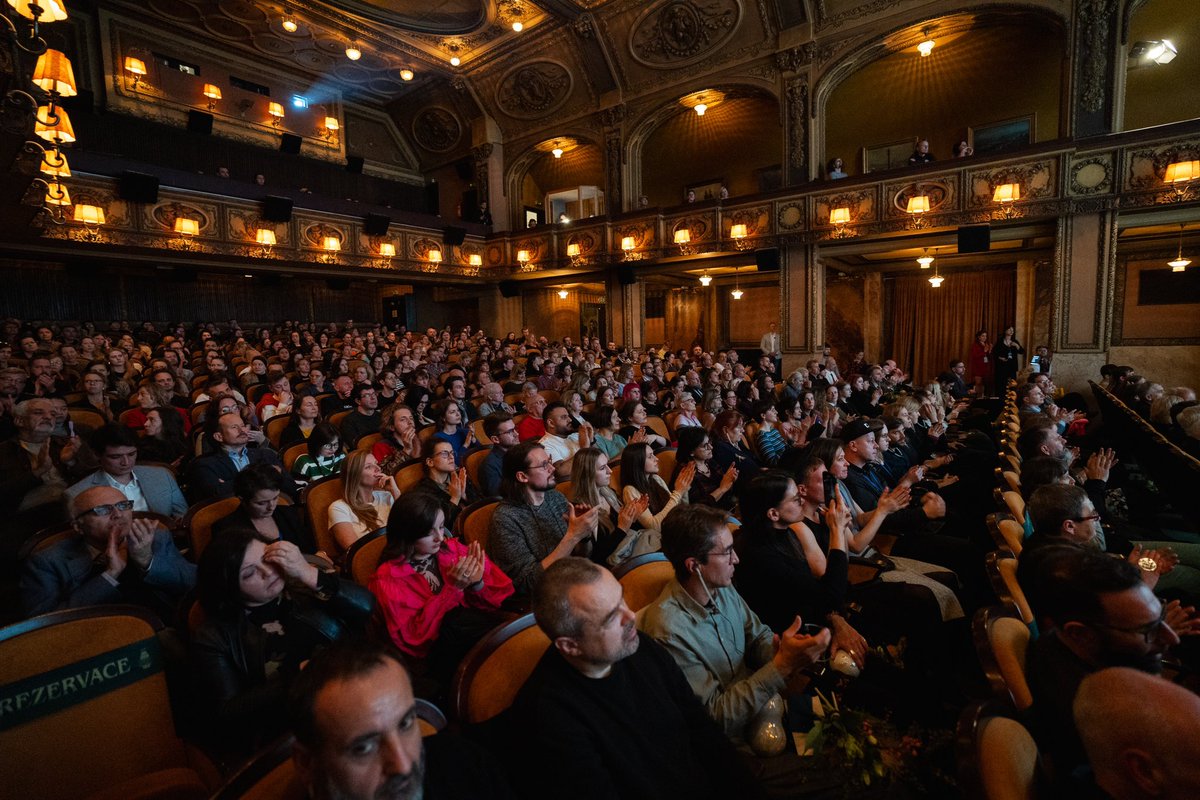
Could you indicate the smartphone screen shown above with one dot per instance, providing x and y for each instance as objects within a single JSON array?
[{"x": 830, "y": 484}]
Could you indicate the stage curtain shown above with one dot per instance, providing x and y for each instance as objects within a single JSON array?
[{"x": 929, "y": 326}]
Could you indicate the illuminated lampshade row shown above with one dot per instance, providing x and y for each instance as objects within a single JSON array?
[
  {"x": 186, "y": 226},
  {"x": 1182, "y": 172},
  {"x": 53, "y": 74},
  {"x": 54, "y": 163},
  {"x": 48, "y": 10},
  {"x": 59, "y": 131},
  {"x": 387, "y": 249},
  {"x": 331, "y": 244},
  {"x": 135, "y": 66},
  {"x": 89, "y": 215},
  {"x": 265, "y": 237}
]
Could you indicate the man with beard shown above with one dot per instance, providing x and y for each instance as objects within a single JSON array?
[
  {"x": 358, "y": 737},
  {"x": 1095, "y": 612},
  {"x": 606, "y": 712}
]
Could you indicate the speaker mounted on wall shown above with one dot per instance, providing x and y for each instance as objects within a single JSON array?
[
  {"x": 510, "y": 289},
  {"x": 289, "y": 143},
  {"x": 974, "y": 238},
  {"x": 376, "y": 224},
  {"x": 137, "y": 187},
  {"x": 277, "y": 209},
  {"x": 200, "y": 122},
  {"x": 767, "y": 259},
  {"x": 354, "y": 164},
  {"x": 626, "y": 276},
  {"x": 454, "y": 236}
]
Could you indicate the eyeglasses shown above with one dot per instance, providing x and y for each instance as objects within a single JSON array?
[
  {"x": 547, "y": 464},
  {"x": 1147, "y": 631},
  {"x": 727, "y": 553},
  {"x": 444, "y": 454},
  {"x": 1088, "y": 518},
  {"x": 105, "y": 510}
]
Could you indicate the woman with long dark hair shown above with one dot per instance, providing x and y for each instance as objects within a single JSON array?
[
  {"x": 163, "y": 438},
  {"x": 1007, "y": 353},
  {"x": 709, "y": 487},
  {"x": 639, "y": 476},
  {"x": 438, "y": 596}
]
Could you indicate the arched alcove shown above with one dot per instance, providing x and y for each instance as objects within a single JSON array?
[
  {"x": 1156, "y": 94},
  {"x": 536, "y": 173},
  {"x": 982, "y": 71},
  {"x": 738, "y": 142}
]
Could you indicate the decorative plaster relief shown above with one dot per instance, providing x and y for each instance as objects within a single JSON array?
[
  {"x": 534, "y": 89},
  {"x": 1092, "y": 175},
  {"x": 437, "y": 129},
  {"x": 1038, "y": 180},
  {"x": 672, "y": 33},
  {"x": 1148, "y": 165},
  {"x": 941, "y": 193},
  {"x": 789, "y": 216}
]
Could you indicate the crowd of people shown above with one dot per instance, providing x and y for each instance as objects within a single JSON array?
[{"x": 761, "y": 490}]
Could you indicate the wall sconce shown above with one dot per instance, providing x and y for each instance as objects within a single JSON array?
[
  {"x": 387, "y": 250},
  {"x": 266, "y": 240},
  {"x": 1007, "y": 195},
  {"x": 629, "y": 251},
  {"x": 926, "y": 261},
  {"x": 213, "y": 93},
  {"x": 575, "y": 254},
  {"x": 433, "y": 260},
  {"x": 187, "y": 228},
  {"x": 917, "y": 206},
  {"x": 54, "y": 164},
  {"x": 53, "y": 74},
  {"x": 276, "y": 112},
  {"x": 1180, "y": 177},
  {"x": 329, "y": 130},
  {"x": 1180, "y": 263},
  {"x": 332, "y": 245},
  {"x": 683, "y": 239},
  {"x": 705, "y": 279},
  {"x": 839, "y": 218},
  {"x": 36, "y": 11},
  {"x": 474, "y": 263},
  {"x": 562, "y": 294},
  {"x": 92, "y": 218},
  {"x": 740, "y": 235},
  {"x": 525, "y": 261},
  {"x": 137, "y": 68}
]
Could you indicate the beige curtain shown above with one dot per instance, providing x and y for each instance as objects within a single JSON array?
[{"x": 932, "y": 326}]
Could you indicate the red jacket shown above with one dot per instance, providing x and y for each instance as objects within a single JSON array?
[{"x": 413, "y": 613}]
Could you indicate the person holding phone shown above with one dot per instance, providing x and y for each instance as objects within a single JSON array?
[{"x": 367, "y": 497}]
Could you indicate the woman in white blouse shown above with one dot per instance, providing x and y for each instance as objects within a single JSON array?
[
  {"x": 639, "y": 476},
  {"x": 367, "y": 496}
]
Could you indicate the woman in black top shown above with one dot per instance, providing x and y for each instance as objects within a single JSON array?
[
  {"x": 1007, "y": 353},
  {"x": 709, "y": 487},
  {"x": 257, "y": 486}
]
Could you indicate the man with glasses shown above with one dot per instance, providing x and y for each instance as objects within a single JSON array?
[
  {"x": 730, "y": 658},
  {"x": 364, "y": 419},
  {"x": 113, "y": 559},
  {"x": 1094, "y": 611},
  {"x": 534, "y": 526},
  {"x": 501, "y": 430}
]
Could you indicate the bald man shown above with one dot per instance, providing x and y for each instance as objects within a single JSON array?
[
  {"x": 1141, "y": 733},
  {"x": 112, "y": 558}
]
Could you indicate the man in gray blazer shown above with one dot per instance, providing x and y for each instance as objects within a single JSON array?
[
  {"x": 150, "y": 488},
  {"x": 109, "y": 558}
]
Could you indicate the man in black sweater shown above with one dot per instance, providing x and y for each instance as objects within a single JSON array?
[{"x": 607, "y": 711}]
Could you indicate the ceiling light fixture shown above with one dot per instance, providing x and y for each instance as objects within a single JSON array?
[
  {"x": 700, "y": 108},
  {"x": 936, "y": 279},
  {"x": 705, "y": 279},
  {"x": 406, "y": 74},
  {"x": 737, "y": 289},
  {"x": 562, "y": 294},
  {"x": 352, "y": 51},
  {"x": 1180, "y": 263},
  {"x": 925, "y": 47},
  {"x": 702, "y": 101},
  {"x": 455, "y": 61},
  {"x": 926, "y": 261},
  {"x": 558, "y": 151},
  {"x": 289, "y": 25},
  {"x": 518, "y": 27}
]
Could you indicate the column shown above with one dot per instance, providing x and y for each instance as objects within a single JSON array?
[
  {"x": 1084, "y": 270},
  {"x": 1094, "y": 47}
]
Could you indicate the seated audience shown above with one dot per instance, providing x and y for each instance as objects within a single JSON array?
[
  {"x": 399, "y": 442},
  {"x": 639, "y": 476},
  {"x": 149, "y": 488},
  {"x": 769, "y": 441},
  {"x": 534, "y": 525},
  {"x": 212, "y": 475},
  {"x": 501, "y": 431},
  {"x": 325, "y": 455},
  {"x": 364, "y": 419},
  {"x": 532, "y": 426},
  {"x": 278, "y": 399},
  {"x": 96, "y": 398},
  {"x": 616, "y": 538},
  {"x": 257, "y": 488},
  {"x": 266, "y": 611},
  {"x": 163, "y": 438},
  {"x": 634, "y": 415},
  {"x": 599, "y": 675},
  {"x": 367, "y": 497},
  {"x": 438, "y": 596},
  {"x": 708, "y": 487},
  {"x": 559, "y": 441},
  {"x": 359, "y": 691},
  {"x": 444, "y": 481},
  {"x": 450, "y": 427},
  {"x": 113, "y": 559},
  {"x": 305, "y": 417},
  {"x": 605, "y": 421}
]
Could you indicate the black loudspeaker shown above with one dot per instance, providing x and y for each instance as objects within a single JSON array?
[
  {"x": 138, "y": 187},
  {"x": 625, "y": 276},
  {"x": 509, "y": 289},
  {"x": 277, "y": 209},
  {"x": 767, "y": 259},
  {"x": 453, "y": 235},
  {"x": 354, "y": 164},
  {"x": 433, "y": 202},
  {"x": 376, "y": 224},
  {"x": 289, "y": 143},
  {"x": 975, "y": 239},
  {"x": 200, "y": 122},
  {"x": 465, "y": 168},
  {"x": 338, "y": 284}
]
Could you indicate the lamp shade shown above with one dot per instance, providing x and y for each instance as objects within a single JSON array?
[
  {"x": 89, "y": 215},
  {"x": 331, "y": 124},
  {"x": 435, "y": 256},
  {"x": 1007, "y": 193},
  {"x": 475, "y": 260},
  {"x": 275, "y": 109},
  {"x": 57, "y": 195},
  {"x": 839, "y": 216},
  {"x": 572, "y": 250},
  {"x": 387, "y": 249},
  {"x": 265, "y": 237},
  {"x": 562, "y": 294},
  {"x": 918, "y": 204},
  {"x": 1182, "y": 172},
  {"x": 55, "y": 163},
  {"x": 48, "y": 10},
  {"x": 331, "y": 243},
  {"x": 212, "y": 92},
  {"x": 522, "y": 256},
  {"x": 135, "y": 65},
  {"x": 683, "y": 236},
  {"x": 627, "y": 243},
  {"x": 186, "y": 226},
  {"x": 936, "y": 281},
  {"x": 737, "y": 231},
  {"x": 705, "y": 279},
  {"x": 57, "y": 129},
  {"x": 53, "y": 74}
]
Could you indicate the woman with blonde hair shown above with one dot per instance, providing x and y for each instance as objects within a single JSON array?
[
  {"x": 615, "y": 539},
  {"x": 367, "y": 497}
]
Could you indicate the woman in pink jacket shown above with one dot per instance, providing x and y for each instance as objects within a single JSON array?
[{"x": 438, "y": 596}]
